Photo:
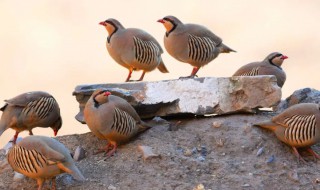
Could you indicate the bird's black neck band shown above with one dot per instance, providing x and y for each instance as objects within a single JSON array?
[
  {"x": 172, "y": 29},
  {"x": 115, "y": 30},
  {"x": 96, "y": 103},
  {"x": 270, "y": 61}
]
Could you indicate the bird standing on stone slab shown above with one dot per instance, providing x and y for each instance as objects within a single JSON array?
[
  {"x": 133, "y": 48},
  {"x": 42, "y": 158},
  {"x": 29, "y": 110},
  {"x": 112, "y": 118},
  {"x": 298, "y": 126},
  {"x": 271, "y": 65},
  {"x": 191, "y": 43}
]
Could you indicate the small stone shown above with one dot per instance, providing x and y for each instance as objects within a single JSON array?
[
  {"x": 199, "y": 187},
  {"x": 18, "y": 176},
  {"x": 216, "y": 124},
  {"x": 201, "y": 158},
  {"x": 293, "y": 175},
  {"x": 260, "y": 151},
  {"x": 246, "y": 185},
  {"x": 147, "y": 152},
  {"x": 194, "y": 150},
  {"x": 220, "y": 142},
  {"x": 111, "y": 187},
  {"x": 188, "y": 152},
  {"x": 79, "y": 154},
  {"x": 271, "y": 159}
]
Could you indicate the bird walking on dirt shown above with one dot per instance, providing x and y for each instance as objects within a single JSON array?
[
  {"x": 29, "y": 110},
  {"x": 298, "y": 126},
  {"x": 42, "y": 158},
  {"x": 133, "y": 48},
  {"x": 191, "y": 43},
  {"x": 112, "y": 118},
  {"x": 271, "y": 65}
]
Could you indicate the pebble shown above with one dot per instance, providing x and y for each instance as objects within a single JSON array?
[
  {"x": 216, "y": 124},
  {"x": 79, "y": 154},
  {"x": 245, "y": 185},
  {"x": 111, "y": 187},
  {"x": 293, "y": 175},
  {"x": 260, "y": 151},
  {"x": 18, "y": 176},
  {"x": 188, "y": 152},
  {"x": 271, "y": 159},
  {"x": 201, "y": 158}
]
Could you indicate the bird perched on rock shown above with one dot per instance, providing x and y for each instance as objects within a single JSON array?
[
  {"x": 133, "y": 48},
  {"x": 113, "y": 118},
  {"x": 191, "y": 43},
  {"x": 298, "y": 126},
  {"x": 271, "y": 65},
  {"x": 42, "y": 158},
  {"x": 29, "y": 110}
]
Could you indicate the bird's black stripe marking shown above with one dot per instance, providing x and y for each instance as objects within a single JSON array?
[
  {"x": 146, "y": 52},
  {"x": 200, "y": 48},
  {"x": 301, "y": 128},
  {"x": 123, "y": 122}
]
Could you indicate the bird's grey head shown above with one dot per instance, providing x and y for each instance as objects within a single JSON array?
[
  {"x": 100, "y": 96},
  {"x": 112, "y": 25},
  {"x": 57, "y": 126},
  {"x": 170, "y": 23},
  {"x": 276, "y": 58}
]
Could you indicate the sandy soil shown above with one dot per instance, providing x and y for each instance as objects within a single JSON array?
[{"x": 217, "y": 152}]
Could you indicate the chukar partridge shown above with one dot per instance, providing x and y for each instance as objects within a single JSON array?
[
  {"x": 112, "y": 118},
  {"x": 191, "y": 43},
  {"x": 42, "y": 158},
  {"x": 29, "y": 110},
  {"x": 298, "y": 126},
  {"x": 133, "y": 48},
  {"x": 271, "y": 65}
]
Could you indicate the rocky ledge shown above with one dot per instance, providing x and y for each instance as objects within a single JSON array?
[{"x": 196, "y": 96}]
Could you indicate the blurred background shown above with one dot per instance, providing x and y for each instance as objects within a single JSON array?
[{"x": 55, "y": 45}]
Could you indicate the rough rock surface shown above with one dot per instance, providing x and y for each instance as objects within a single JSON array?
[
  {"x": 305, "y": 95},
  {"x": 218, "y": 152},
  {"x": 198, "y": 96}
]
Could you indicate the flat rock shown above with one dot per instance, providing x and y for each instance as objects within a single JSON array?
[
  {"x": 304, "y": 95},
  {"x": 195, "y": 96}
]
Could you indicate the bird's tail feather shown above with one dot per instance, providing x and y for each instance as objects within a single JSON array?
[
  {"x": 73, "y": 170},
  {"x": 162, "y": 68},
  {"x": 143, "y": 126},
  {"x": 225, "y": 49},
  {"x": 266, "y": 125}
]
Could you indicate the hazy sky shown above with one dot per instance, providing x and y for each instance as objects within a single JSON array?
[{"x": 55, "y": 45}]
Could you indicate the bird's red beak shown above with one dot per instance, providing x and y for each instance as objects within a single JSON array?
[
  {"x": 161, "y": 21},
  {"x": 103, "y": 23},
  {"x": 55, "y": 131},
  {"x": 107, "y": 93},
  {"x": 284, "y": 57}
]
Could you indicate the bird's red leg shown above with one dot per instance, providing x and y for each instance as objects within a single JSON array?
[
  {"x": 15, "y": 137},
  {"x": 104, "y": 149},
  {"x": 141, "y": 78},
  {"x": 314, "y": 154},
  {"x": 113, "y": 150},
  {"x": 194, "y": 71},
  {"x": 298, "y": 155},
  {"x": 129, "y": 75}
]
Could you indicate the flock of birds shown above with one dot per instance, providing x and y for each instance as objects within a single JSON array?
[{"x": 113, "y": 118}]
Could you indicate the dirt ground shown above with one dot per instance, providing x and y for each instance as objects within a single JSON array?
[{"x": 216, "y": 152}]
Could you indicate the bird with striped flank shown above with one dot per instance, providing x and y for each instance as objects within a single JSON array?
[
  {"x": 191, "y": 43},
  {"x": 298, "y": 126},
  {"x": 42, "y": 158},
  {"x": 133, "y": 48},
  {"x": 112, "y": 118},
  {"x": 29, "y": 110},
  {"x": 271, "y": 65}
]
